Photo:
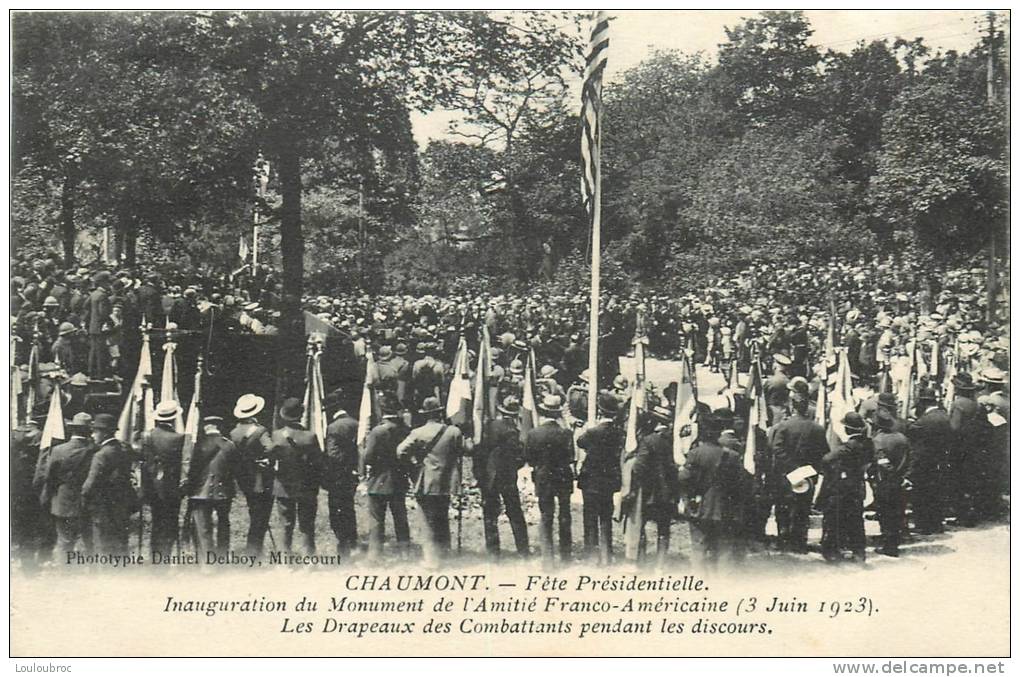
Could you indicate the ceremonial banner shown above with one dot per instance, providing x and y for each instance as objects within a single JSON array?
[
  {"x": 368, "y": 412},
  {"x": 168, "y": 384},
  {"x": 133, "y": 417},
  {"x": 482, "y": 376},
  {"x": 529, "y": 408},
  {"x": 314, "y": 418},
  {"x": 53, "y": 429},
  {"x": 685, "y": 421},
  {"x": 458, "y": 401},
  {"x": 638, "y": 397},
  {"x": 757, "y": 419}
]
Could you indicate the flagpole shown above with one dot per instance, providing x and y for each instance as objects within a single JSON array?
[{"x": 596, "y": 261}]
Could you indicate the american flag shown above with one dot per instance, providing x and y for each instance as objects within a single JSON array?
[{"x": 591, "y": 107}]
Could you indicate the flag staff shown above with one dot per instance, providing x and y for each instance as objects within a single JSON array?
[{"x": 591, "y": 182}]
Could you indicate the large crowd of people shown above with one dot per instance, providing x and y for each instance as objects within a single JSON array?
[{"x": 941, "y": 455}]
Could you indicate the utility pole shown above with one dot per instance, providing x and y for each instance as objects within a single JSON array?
[{"x": 992, "y": 282}]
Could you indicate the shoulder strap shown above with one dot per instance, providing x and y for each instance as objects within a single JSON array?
[{"x": 435, "y": 440}]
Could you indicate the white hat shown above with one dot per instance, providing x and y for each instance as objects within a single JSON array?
[
  {"x": 167, "y": 410},
  {"x": 248, "y": 405}
]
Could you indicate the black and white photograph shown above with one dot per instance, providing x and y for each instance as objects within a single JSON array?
[{"x": 509, "y": 333}]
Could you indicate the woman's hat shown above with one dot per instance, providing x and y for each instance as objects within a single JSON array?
[
  {"x": 292, "y": 409},
  {"x": 248, "y": 405},
  {"x": 548, "y": 371},
  {"x": 167, "y": 410},
  {"x": 516, "y": 367},
  {"x": 66, "y": 328},
  {"x": 993, "y": 376}
]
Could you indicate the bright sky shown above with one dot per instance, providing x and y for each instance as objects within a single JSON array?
[{"x": 634, "y": 34}]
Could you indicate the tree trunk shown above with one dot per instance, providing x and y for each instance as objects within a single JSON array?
[
  {"x": 67, "y": 231},
  {"x": 130, "y": 243},
  {"x": 292, "y": 251}
]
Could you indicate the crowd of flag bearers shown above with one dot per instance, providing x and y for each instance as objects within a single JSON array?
[{"x": 778, "y": 447}]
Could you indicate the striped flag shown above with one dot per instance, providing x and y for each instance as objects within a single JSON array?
[{"x": 591, "y": 108}]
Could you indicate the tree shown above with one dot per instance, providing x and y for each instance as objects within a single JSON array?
[
  {"x": 770, "y": 70},
  {"x": 943, "y": 167}
]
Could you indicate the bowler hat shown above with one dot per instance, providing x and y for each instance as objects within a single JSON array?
[
  {"x": 66, "y": 328},
  {"x": 400, "y": 349},
  {"x": 886, "y": 401},
  {"x": 104, "y": 422},
  {"x": 964, "y": 382},
  {"x": 608, "y": 404},
  {"x": 853, "y": 423},
  {"x": 884, "y": 419},
  {"x": 927, "y": 395},
  {"x": 292, "y": 409},
  {"x": 248, "y": 405}
]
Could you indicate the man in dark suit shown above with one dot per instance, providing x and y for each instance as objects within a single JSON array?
[
  {"x": 718, "y": 488},
  {"x": 66, "y": 471},
  {"x": 892, "y": 457},
  {"x": 109, "y": 497},
  {"x": 341, "y": 479},
  {"x": 97, "y": 314},
  {"x": 207, "y": 479},
  {"x": 549, "y": 450},
  {"x": 968, "y": 462},
  {"x": 298, "y": 475},
  {"x": 930, "y": 439},
  {"x": 437, "y": 448},
  {"x": 255, "y": 472},
  {"x": 841, "y": 497},
  {"x": 600, "y": 477},
  {"x": 150, "y": 300},
  {"x": 654, "y": 482},
  {"x": 386, "y": 481},
  {"x": 161, "y": 476},
  {"x": 496, "y": 462},
  {"x": 795, "y": 442},
  {"x": 28, "y": 518}
]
